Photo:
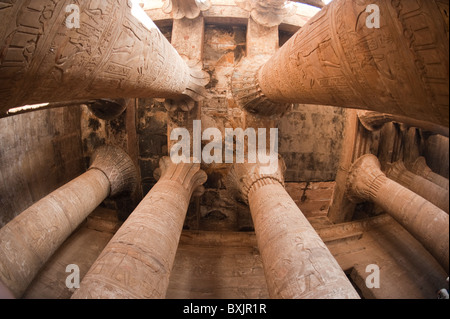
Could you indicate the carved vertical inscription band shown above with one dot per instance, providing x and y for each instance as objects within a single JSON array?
[
  {"x": 401, "y": 68},
  {"x": 297, "y": 264},
  {"x": 137, "y": 262},
  {"x": 111, "y": 55}
]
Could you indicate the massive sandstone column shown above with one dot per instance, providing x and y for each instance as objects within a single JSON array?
[
  {"x": 31, "y": 238},
  {"x": 420, "y": 167},
  {"x": 297, "y": 264},
  {"x": 117, "y": 52},
  {"x": 426, "y": 222},
  {"x": 337, "y": 59},
  {"x": 137, "y": 262},
  {"x": 419, "y": 185}
]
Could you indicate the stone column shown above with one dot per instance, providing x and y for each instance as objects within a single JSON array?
[
  {"x": 57, "y": 51},
  {"x": 30, "y": 239},
  {"x": 374, "y": 121},
  {"x": 419, "y": 185},
  {"x": 426, "y": 222},
  {"x": 297, "y": 264},
  {"x": 137, "y": 262},
  {"x": 420, "y": 167},
  {"x": 339, "y": 59}
]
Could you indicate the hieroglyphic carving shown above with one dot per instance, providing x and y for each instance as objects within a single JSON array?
[
  {"x": 297, "y": 264},
  {"x": 113, "y": 54},
  {"x": 138, "y": 260},
  {"x": 335, "y": 59},
  {"x": 247, "y": 92}
]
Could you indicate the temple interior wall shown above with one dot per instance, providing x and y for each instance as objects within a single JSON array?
[{"x": 218, "y": 255}]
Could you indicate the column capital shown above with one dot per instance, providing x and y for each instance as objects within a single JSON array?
[
  {"x": 118, "y": 168},
  {"x": 247, "y": 90},
  {"x": 365, "y": 179},
  {"x": 189, "y": 175},
  {"x": 420, "y": 167},
  {"x": 268, "y": 13},
  {"x": 246, "y": 178},
  {"x": 189, "y": 9},
  {"x": 106, "y": 109},
  {"x": 398, "y": 172},
  {"x": 195, "y": 90},
  {"x": 373, "y": 121}
]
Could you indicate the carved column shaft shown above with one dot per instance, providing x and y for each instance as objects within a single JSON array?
[
  {"x": 336, "y": 59},
  {"x": 419, "y": 185},
  {"x": 137, "y": 262},
  {"x": 297, "y": 264},
  {"x": 420, "y": 167},
  {"x": 30, "y": 239},
  {"x": 117, "y": 52},
  {"x": 426, "y": 222}
]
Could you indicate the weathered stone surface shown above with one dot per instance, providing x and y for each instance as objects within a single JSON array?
[
  {"x": 138, "y": 260},
  {"x": 113, "y": 54},
  {"x": 426, "y": 222},
  {"x": 297, "y": 264},
  {"x": 31, "y": 238},
  {"x": 335, "y": 59}
]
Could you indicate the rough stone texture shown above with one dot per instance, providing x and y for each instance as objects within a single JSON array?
[
  {"x": 316, "y": 161},
  {"x": 137, "y": 262},
  {"x": 39, "y": 152},
  {"x": 419, "y": 185},
  {"x": 152, "y": 131},
  {"x": 111, "y": 55},
  {"x": 296, "y": 262},
  {"x": 336, "y": 60},
  {"x": 426, "y": 222}
]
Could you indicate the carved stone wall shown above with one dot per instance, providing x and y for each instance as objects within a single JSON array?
[{"x": 39, "y": 152}]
